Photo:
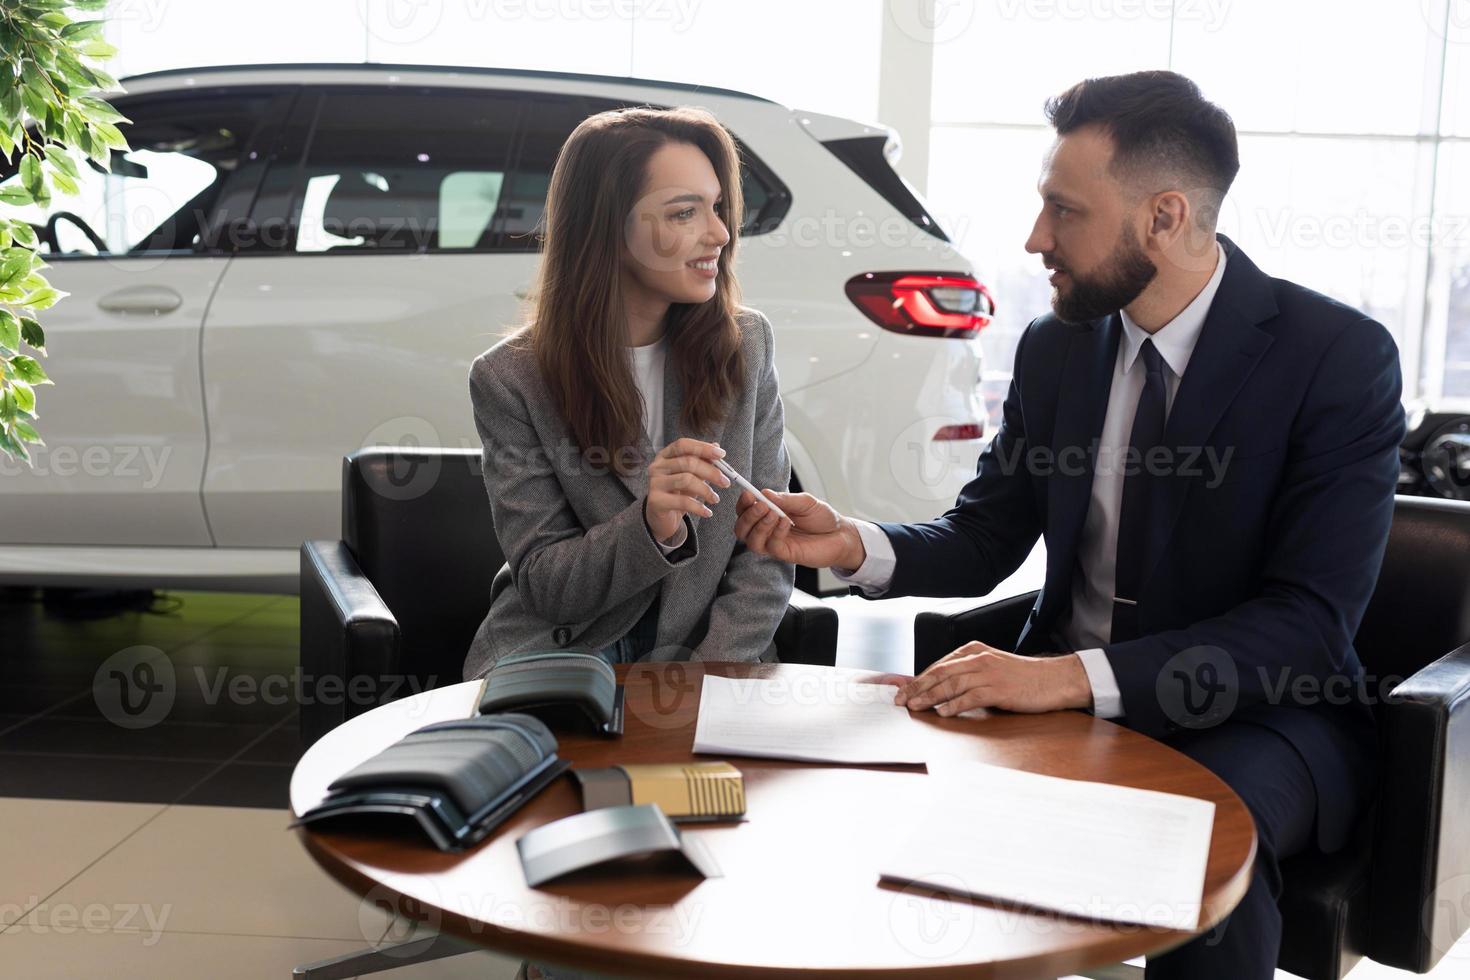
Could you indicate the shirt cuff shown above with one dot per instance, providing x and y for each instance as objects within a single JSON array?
[
  {"x": 1107, "y": 700},
  {"x": 876, "y": 572},
  {"x": 676, "y": 542}
]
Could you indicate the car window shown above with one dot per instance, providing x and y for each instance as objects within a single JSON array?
[
  {"x": 159, "y": 196},
  {"x": 548, "y": 123},
  {"x": 414, "y": 170}
]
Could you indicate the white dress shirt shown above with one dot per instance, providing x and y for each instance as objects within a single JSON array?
[
  {"x": 648, "y": 375},
  {"x": 1087, "y": 625}
]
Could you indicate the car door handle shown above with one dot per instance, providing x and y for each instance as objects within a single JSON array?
[{"x": 141, "y": 299}]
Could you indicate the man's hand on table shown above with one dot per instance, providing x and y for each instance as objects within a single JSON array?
[{"x": 980, "y": 676}]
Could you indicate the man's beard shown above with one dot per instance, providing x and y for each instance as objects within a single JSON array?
[{"x": 1118, "y": 282}]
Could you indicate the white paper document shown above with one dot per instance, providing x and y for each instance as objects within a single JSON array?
[
  {"x": 809, "y": 718},
  {"x": 1086, "y": 849}
]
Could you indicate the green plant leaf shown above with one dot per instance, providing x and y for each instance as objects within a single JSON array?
[
  {"x": 64, "y": 183},
  {"x": 34, "y": 104},
  {"x": 16, "y": 195},
  {"x": 61, "y": 160},
  {"x": 31, "y": 333},
  {"x": 50, "y": 127},
  {"x": 25, "y": 397},
  {"x": 28, "y": 433},
  {"x": 30, "y": 174},
  {"x": 23, "y": 232},
  {"x": 7, "y": 408},
  {"x": 7, "y": 145},
  {"x": 15, "y": 262},
  {"x": 101, "y": 79},
  {"x": 73, "y": 70},
  {"x": 33, "y": 76},
  {"x": 95, "y": 108},
  {"x": 29, "y": 370},
  {"x": 98, "y": 49},
  {"x": 112, "y": 136},
  {"x": 9, "y": 330},
  {"x": 94, "y": 148},
  {"x": 83, "y": 29},
  {"x": 43, "y": 299},
  {"x": 10, "y": 445}
]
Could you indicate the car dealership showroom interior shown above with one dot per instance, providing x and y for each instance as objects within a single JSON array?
[{"x": 780, "y": 489}]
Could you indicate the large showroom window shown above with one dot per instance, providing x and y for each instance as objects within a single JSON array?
[{"x": 1350, "y": 149}]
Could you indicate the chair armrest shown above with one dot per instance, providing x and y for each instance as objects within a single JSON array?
[
  {"x": 346, "y": 632},
  {"x": 995, "y": 623},
  {"x": 1421, "y": 852},
  {"x": 808, "y": 632}
]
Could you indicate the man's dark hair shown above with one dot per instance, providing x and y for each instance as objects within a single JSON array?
[{"x": 1162, "y": 128}]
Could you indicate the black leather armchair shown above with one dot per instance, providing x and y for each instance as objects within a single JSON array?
[
  {"x": 392, "y": 607},
  {"x": 1400, "y": 893}
]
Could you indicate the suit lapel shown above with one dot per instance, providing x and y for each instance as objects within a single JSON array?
[{"x": 1082, "y": 403}]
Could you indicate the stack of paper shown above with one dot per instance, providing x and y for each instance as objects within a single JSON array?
[
  {"x": 811, "y": 718},
  {"x": 1086, "y": 849}
]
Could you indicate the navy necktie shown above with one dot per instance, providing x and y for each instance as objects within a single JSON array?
[{"x": 1138, "y": 486}]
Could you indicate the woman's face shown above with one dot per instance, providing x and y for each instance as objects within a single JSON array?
[{"x": 676, "y": 231}]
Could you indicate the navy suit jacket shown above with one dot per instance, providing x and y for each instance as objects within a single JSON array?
[{"x": 1254, "y": 582}]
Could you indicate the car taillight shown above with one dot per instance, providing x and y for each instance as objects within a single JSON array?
[
  {"x": 960, "y": 433},
  {"x": 923, "y": 304}
]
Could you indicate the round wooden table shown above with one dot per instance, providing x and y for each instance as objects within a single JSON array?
[{"x": 800, "y": 893}]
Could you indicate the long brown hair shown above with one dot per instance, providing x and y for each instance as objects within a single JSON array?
[{"x": 578, "y": 321}]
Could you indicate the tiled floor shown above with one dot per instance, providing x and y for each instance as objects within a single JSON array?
[{"x": 145, "y": 835}]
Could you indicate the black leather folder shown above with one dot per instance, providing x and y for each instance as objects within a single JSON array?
[{"x": 453, "y": 781}]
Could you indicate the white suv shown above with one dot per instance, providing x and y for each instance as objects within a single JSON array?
[{"x": 295, "y": 261}]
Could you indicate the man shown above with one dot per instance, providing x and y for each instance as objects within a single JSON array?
[{"x": 1211, "y": 455}]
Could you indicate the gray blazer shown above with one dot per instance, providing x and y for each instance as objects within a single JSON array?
[{"x": 581, "y": 565}]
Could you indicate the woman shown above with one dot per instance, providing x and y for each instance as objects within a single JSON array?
[{"x": 636, "y": 343}]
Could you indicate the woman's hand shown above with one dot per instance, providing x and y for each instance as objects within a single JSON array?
[{"x": 681, "y": 480}]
